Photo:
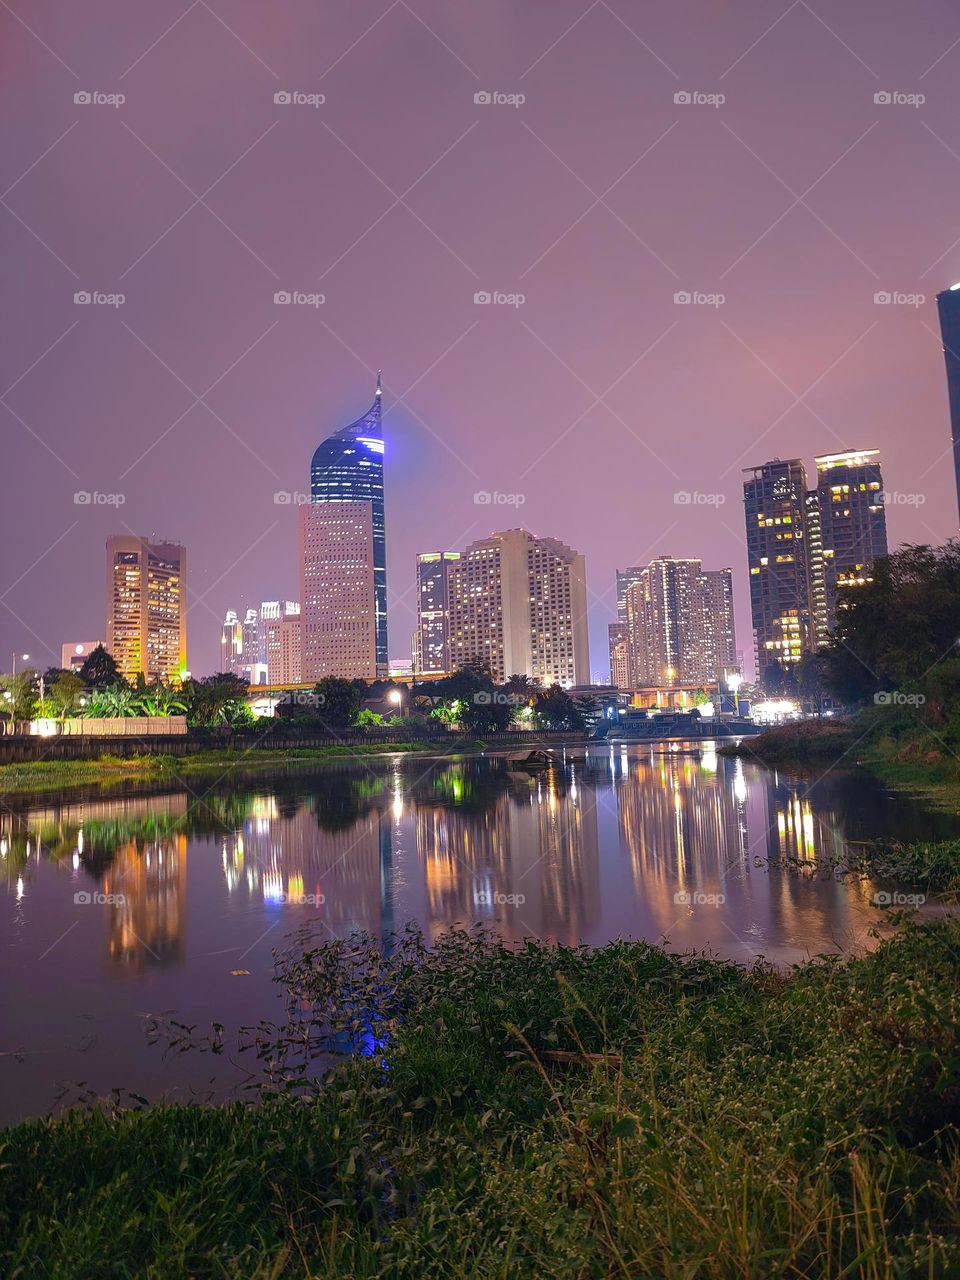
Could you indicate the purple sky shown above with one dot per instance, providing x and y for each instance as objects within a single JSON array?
[{"x": 598, "y": 198}]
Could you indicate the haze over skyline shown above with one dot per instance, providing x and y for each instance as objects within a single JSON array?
[{"x": 598, "y": 198}]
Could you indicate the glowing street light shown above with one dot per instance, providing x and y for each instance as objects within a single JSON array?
[
  {"x": 396, "y": 697},
  {"x": 24, "y": 657}
]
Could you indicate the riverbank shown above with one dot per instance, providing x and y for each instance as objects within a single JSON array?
[
  {"x": 899, "y": 749},
  {"x": 55, "y": 775},
  {"x": 539, "y": 1112}
]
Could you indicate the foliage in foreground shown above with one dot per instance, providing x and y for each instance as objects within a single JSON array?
[{"x": 540, "y": 1112}]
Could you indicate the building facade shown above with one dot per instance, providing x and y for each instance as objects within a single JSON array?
[
  {"x": 73, "y": 656},
  {"x": 282, "y": 630},
  {"x": 679, "y": 628},
  {"x": 853, "y": 524},
  {"x": 146, "y": 607},
  {"x": 338, "y": 592},
  {"x": 619, "y": 653},
  {"x": 948, "y": 306},
  {"x": 808, "y": 549},
  {"x": 347, "y": 470},
  {"x": 431, "y": 645},
  {"x": 518, "y": 604}
]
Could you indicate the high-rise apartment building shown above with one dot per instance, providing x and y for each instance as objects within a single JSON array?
[
  {"x": 146, "y": 607},
  {"x": 807, "y": 550},
  {"x": 619, "y": 653},
  {"x": 679, "y": 628},
  {"x": 775, "y": 497},
  {"x": 948, "y": 306},
  {"x": 347, "y": 472},
  {"x": 853, "y": 523},
  {"x": 431, "y": 647},
  {"x": 518, "y": 604},
  {"x": 240, "y": 648}
]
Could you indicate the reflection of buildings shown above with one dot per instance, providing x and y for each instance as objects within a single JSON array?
[
  {"x": 529, "y": 862},
  {"x": 148, "y": 884},
  {"x": 681, "y": 824},
  {"x": 280, "y": 860}
]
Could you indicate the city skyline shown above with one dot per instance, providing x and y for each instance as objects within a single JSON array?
[{"x": 804, "y": 227}]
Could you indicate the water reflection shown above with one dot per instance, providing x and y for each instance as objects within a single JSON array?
[
  {"x": 628, "y": 843},
  {"x": 170, "y": 903}
]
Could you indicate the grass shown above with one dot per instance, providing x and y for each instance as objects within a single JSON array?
[
  {"x": 46, "y": 775},
  {"x": 537, "y": 1112}
]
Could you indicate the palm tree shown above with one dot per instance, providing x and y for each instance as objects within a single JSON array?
[{"x": 118, "y": 702}]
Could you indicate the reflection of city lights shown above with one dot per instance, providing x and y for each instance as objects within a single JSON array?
[
  {"x": 272, "y": 887},
  {"x": 739, "y": 783},
  {"x": 3, "y": 848},
  {"x": 80, "y": 841},
  {"x": 708, "y": 760},
  {"x": 19, "y": 887},
  {"x": 398, "y": 804},
  {"x": 76, "y": 861}
]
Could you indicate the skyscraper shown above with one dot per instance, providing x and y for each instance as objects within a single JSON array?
[
  {"x": 774, "y": 499},
  {"x": 431, "y": 648},
  {"x": 231, "y": 643},
  {"x": 146, "y": 607},
  {"x": 679, "y": 624},
  {"x": 518, "y": 603},
  {"x": 281, "y": 630},
  {"x": 338, "y": 633},
  {"x": 853, "y": 523},
  {"x": 619, "y": 653},
  {"x": 808, "y": 549},
  {"x": 347, "y": 471},
  {"x": 948, "y": 305}
]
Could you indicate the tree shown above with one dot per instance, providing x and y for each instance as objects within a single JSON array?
[
  {"x": 116, "y": 703},
  {"x": 220, "y": 699},
  {"x": 159, "y": 699},
  {"x": 18, "y": 695},
  {"x": 100, "y": 670},
  {"x": 902, "y": 624},
  {"x": 557, "y": 710},
  {"x": 65, "y": 691},
  {"x": 339, "y": 702}
]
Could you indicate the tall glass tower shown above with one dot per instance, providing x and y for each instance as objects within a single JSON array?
[{"x": 348, "y": 467}]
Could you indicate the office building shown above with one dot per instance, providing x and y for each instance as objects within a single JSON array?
[
  {"x": 281, "y": 629},
  {"x": 619, "y": 653},
  {"x": 518, "y": 604},
  {"x": 338, "y": 592},
  {"x": 431, "y": 646},
  {"x": 73, "y": 656},
  {"x": 146, "y": 607},
  {"x": 347, "y": 472}
]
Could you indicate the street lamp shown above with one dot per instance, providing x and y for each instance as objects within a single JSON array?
[
  {"x": 396, "y": 697},
  {"x": 24, "y": 657}
]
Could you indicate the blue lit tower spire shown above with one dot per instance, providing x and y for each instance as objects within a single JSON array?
[{"x": 348, "y": 467}]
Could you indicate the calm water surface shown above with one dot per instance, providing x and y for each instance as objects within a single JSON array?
[{"x": 118, "y": 908}]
